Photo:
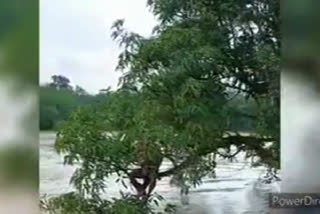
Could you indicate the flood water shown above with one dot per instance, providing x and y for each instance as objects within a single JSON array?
[{"x": 235, "y": 190}]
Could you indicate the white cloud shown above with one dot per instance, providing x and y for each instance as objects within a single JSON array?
[{"x": 75, "y": 38}]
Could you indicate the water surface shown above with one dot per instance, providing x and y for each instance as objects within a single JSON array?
[{"x": 235, "y": 190}]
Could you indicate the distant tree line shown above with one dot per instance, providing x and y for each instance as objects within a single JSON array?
[{"x": 58, "y": 99}]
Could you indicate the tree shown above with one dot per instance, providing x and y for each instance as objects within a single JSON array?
[
  {"x": 55, "y": 106},
  {"x": 175, "y": 103},
  {"x": 58, "y": 100},
  {"x": 48, "y": 117},
  {"x": 231, "y": 44},
  {"x": 60, "y": 82},
  {"x": 105, "y": 90}
]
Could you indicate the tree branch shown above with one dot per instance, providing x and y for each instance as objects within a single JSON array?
[
  {"x": 176, "y": 168},
  {"x": 232, "y": 155},
  {"x": 240, "y": 140}
]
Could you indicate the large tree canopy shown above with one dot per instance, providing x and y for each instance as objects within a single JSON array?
[{"x": 178, "y": 97}]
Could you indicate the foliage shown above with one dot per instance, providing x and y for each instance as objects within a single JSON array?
[
  {"x": 60, "y": 82},
  {"x": 234, "y": 45},
  {"x": 73, "y": 203},
  {"x": 209, "y": 65},
  {"x": 58, "y": 99}
]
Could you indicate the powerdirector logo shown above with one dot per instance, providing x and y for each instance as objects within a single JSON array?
[{"x": 294, "y": 200}]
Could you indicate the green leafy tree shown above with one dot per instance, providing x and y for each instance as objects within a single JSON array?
[
  {"x": 60, "y": 82},
  {"x": 178, "y": 98}
]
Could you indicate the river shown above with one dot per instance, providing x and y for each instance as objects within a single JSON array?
[{"x": 235, "y": 190}]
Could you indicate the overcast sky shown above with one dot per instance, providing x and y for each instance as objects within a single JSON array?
[{"x": 75, "y": 38}]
